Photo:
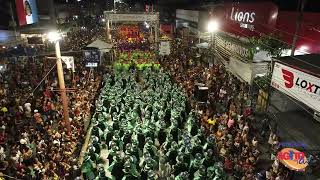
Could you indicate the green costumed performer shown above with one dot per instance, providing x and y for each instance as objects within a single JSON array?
[
  {"x": 180, "y": 166},
  {"x": 148, "y": 165},
  {"x": 116, "y": 138},
  {"x": 113, "y": 151},
  {"x": 88, "y": 168},
  {"x": 115, "y": 168},
  {"x": 200, "y": 174},
  {"x": 196, "y": 146},
  {"x": 195, "y": 164},
  {"x": 126, "y": 139},
  {"x": 211, "y": 143},
  {"x": 130, "y": 171},
  {"x": 101, "y": 173},
  {"x": 173, "y": 153},
  {"x": 209, "y": 159},
  {"x": 161, "y": 133},
  {"x": 149, "y": 147},
  {"x": 182, "y": 176},
  {"x": 108, "y": 134}
]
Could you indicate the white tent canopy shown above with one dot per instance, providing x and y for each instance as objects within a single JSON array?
[
  {"x": 101, "y": 45},
  {"x": 204, "y": 45}
]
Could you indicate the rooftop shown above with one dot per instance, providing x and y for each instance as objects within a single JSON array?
[{"x": 309, "y": 63}]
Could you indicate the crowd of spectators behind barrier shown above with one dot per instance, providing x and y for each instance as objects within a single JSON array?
[
  {"x": 33, "y": 142},
  {"x": 33, "y": 138},
  {"x": 228, "y": 114}
]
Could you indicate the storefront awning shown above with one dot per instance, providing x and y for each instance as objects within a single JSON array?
[{"x": 102, "y": 46}]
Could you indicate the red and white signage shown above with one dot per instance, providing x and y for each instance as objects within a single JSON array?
[
  {"x": 250, "y": 19},
  {"x": 297, "y": 84}
]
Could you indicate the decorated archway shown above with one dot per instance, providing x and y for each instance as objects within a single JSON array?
[{"x": 151, "y": 18}]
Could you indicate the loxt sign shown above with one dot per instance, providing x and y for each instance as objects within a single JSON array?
[{"x": 297, "y": 84}]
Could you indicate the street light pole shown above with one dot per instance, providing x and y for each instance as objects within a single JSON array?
[
  {"x": 64, "y": 98},
  {"x": 213, "y": 27}
]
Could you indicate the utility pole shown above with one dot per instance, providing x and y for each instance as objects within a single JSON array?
[
  {"x": 64, "y": 97},
  {"x": 300, "y": 9}
]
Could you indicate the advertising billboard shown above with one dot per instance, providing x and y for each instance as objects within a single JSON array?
[
  {"x": 27, "y": 11},
  {"x": 297, "y": 84},
  {"x": 164, "y": 48},
  {"x": 249, "y": 19},
  {"x": 91, "y": 58}
]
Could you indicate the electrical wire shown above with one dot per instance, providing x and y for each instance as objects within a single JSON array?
[
  {"x": 51, "y": 53},
  {"x": 291, "y": 34},
  {"x": 41, "y": 81},
  {"x": 280, "y": 41}
]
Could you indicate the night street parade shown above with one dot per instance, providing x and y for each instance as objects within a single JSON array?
[{"x": 160, "y": 90}]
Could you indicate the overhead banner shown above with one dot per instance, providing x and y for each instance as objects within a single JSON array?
[
  {"x": 164, "y": 48},
  {"x": 232, "y": 48},
  {"x": 27, "y": 11},
  {"x": 69, "y": 61},
  {"x": 297, "y": 84},
  {"x": 91, "y": 58},
  {"x": 131, "y": 17}
]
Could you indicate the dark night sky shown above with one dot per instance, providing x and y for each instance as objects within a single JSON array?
[{"x": 287, "y": 5}]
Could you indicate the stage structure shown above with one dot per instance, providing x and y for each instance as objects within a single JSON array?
[{"x": 151, "y": 18}]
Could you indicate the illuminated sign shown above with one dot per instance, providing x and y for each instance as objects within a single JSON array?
[
  {"x": 91, "y": 58},
  {"x": 297, "y": 84},
  {"x": 245, "y": 18},
  {"x": 27, "y": 11}
]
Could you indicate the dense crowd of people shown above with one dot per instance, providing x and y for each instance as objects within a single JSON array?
[
  {"x": 78, "y": 39},
  {"x": 144, "y": 129},
  {"x": 227, "y": 113},
  {"x": 34, "y": 143},
  {"x": 148, "y": 124}
]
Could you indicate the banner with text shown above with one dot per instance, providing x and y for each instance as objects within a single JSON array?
[
  {"x": 164, "y": 48},
  {"x": 91, "y": 58},
  {"x": 297, "y": 84}
]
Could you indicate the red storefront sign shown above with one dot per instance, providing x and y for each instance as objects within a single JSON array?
[
  {"x": 309, "y": 36},
  {"x": 250, "y": 19},
  {"x": 254, "y": 19}
]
